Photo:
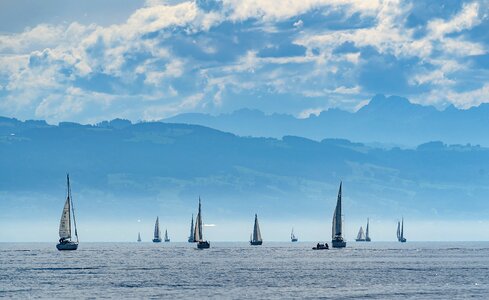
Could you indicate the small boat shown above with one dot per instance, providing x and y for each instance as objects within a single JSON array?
[
  {"x": 65, "y": 242},
  {"x": 361, "y": 235},
  {"x": 400, "y": 231},
  {"x": 367, "y": 236},
  {"x": 191, "y": 236},
  {"x": 337, "y": 240},
  {"x": 255, "y": 238},
  {"x": 157, "y": 234},
  {"x": 198, "y": 233},
  {"x": 293, "y": 238},
  {"x": 321, "y": 246},
  {"x": 139, "y": 236},
  {"x": 167, "y": 239}
]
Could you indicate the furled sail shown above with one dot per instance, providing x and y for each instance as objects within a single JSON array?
[
  {"x": 337, "y": 226},
  {"x": 65, "y": 223},
  {"x": 256, "y": 231}
]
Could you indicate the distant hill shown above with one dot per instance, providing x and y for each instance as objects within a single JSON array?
[
  {"x": 121, "y": 169},
  {"x": 386, "y": 120}
]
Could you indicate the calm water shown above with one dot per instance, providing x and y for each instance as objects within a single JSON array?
[{"x": 237, "y": 270}]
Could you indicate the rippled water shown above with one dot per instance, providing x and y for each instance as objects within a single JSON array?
[{"x": 237, "y": 270}]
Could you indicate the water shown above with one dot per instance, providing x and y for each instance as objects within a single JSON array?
[{"x": 237, "y": 270}]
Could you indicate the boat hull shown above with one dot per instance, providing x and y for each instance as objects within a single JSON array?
[
  {"x": 360, "y": 240},
  {"x": 156, "y": 240},
  {"x": 403, "y": 240},
  {"x": 367, "y": 240},
  {"x": 338, "y": 243},
  {"x": 167, "y": 241},
  {"x": 293, "y": 240},
  {"x": 256, "y": 243},
  {"x": 203, "y": 245},
  {"x": 70, "y": 246}
]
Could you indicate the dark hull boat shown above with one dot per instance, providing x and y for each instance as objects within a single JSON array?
[
  {"x": 361, "y": 235},
  {"x": 256, "y": 239},
  {"x": 203, "y": 245},
  {"x": 157, "y": 233},
  {"x": 67, "y": 246},
  {"x": 293, "y": 238},
  {"x": 67, "y": 216},
  {"x": 198, "y": 233},
  {"x": 320, "y": 246}
]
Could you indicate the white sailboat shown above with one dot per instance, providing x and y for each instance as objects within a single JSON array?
[
  {"x": 167, "y": 239},
  {"x": 367, "y": 235},
  {"x": 400, "y": 231},
  {"x": 191, "y": 236},
  {"x": 139, "y": 236},
  {"x": 65, "y": 242},
  {"x": 157, "y": 233},
  {"x": 337, "y": 234},
  {"x": 198, "y": 233},
  {"x": 361, "y": 235},
  {"x": 256, "y": 239},
  {"x": 293, "y": 238}
]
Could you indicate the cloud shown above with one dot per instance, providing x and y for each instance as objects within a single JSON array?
[{"x": 170, "y": 57}]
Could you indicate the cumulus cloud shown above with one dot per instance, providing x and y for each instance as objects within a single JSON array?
[{"x": 170, "y": 57}]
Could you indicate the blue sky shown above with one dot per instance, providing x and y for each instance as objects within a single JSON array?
[{"x": 148, "y": 60}]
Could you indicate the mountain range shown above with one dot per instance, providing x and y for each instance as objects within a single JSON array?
[
  {"x": 386, "y": 120},
  {"x": 121, "y": 170}
]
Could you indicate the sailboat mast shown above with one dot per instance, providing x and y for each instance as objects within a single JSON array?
[
  {"x": 71, "y": 204},
  {"x": 402, "y": 229}
]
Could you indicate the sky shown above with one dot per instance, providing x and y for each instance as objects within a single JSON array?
[{"x": 88, "y": 61}]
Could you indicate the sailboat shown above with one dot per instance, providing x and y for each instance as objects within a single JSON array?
[
  {"x": 337, "y": 234},
  {"x": 367, "y": 236},
  {"x": 361, "y": 235},
  {"x": 157, "y": 234},
  {"x": 256, "y": 239},
  {"x": 167, "y": 239},
  {"x": 198, "y": 234},
  {"x": 293, "y": 238},
  {"x": 65, "y": 242},
  {"x": 191, "y": 236},
  {"x": 139, "y": 236},
  {"x": 400, "y": 231}
]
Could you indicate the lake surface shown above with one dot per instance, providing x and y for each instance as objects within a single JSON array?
[{"x": 373, "y": 270}]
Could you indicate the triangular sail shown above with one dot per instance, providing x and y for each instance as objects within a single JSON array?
[
  {"x": 337, "y": 224},
  {"x": 166, "y": 234},
  {"x": 191, "y": 236},
  {"x": 398, "y": 230},
  {"x": 402, "y": 229},
  {"x": 361, "y": 234},
  {"x": 139, "y": 236},
  {"x": 366, "y": 231},
  {"x": 65, "y": 222},
  {"x": 292, "y": 235},
  {"x": 157, "y": 233},
  {"x": 256, "y": 231},
  {"x": 198, "y": 225}
]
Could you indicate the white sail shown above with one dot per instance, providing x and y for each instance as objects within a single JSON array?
[
  {"x": 191, "y": 236},
  {"x": 361, "y": 234},
  {"x": 337, "y": 224},
  {"x": 366, "y": 232},
  {"x": 198, "y": 236},
  {"x": 398, "y": 230},
  {"x": 256, "y": 231},
  {"x": 65, "y": 223},
  {"x": 402, "y": 229},
  {"x": 157, "y": 233}
]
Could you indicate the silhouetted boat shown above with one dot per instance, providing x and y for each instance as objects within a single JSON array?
[
  {"x": 139, "y": 236},
  {"x": 400, "y": 231},
  {"x": 65, "y": 242},
  {"x": 293, "y": 238},
  {"x": 338, "y": 241},
  {"x": 361, "y": 235},
  {"x": 191, "y": 236},
  {"x": 157, "y": 233},
  {"x": 367, "y": 235},
  {"x": 256, "y": 239},
  {"x": 167, "y": 239},
  {"x": 198, "y": 233}
]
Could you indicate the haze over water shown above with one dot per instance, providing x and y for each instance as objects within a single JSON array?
[{"x": 236, "y": 270}]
